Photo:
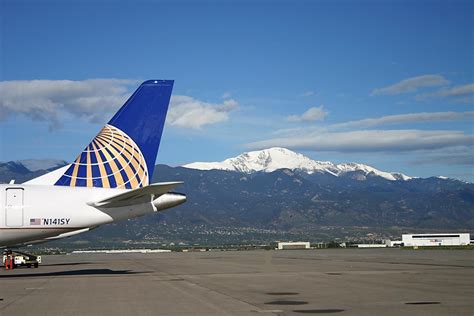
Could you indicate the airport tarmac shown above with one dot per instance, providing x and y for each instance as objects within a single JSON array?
[{"x": 291, "y": 282}]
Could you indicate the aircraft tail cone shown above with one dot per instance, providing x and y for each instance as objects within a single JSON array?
[{"x": 168, "y": 200}]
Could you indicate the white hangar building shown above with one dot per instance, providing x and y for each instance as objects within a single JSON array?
[{"x": 444, "y": 239}]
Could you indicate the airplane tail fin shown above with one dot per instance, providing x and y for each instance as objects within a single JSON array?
[{"x": 123, "y": 154}]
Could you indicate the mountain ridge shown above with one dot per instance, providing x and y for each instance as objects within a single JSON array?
[
  {"x": 229, "y": 206},
  {"x": 24, "y": 170},
  {"x": 271, "y": 159}
]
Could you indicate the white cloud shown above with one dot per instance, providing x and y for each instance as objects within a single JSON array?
[
  {"x": 437, "y": 145},
  {"x": 95, "y": 100},
  {"x": 226, "y": 95},
  {"x": 46, "y": 100},
  {"x": 369, "y": 141},
  {"x": 411, "y": 85},
  {"x": 307, "y": 94},
  {"x": 459, "y": 155},
  {"x": 372, "y": 122},
  {"x": 187, "y": 112},
  {"x": 465, "y": 91},
  {"x": 406, "y": 118},
  {"x": 312, "y": 114}
]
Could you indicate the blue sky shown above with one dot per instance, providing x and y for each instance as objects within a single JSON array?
[{"x": 248, "y": 75}]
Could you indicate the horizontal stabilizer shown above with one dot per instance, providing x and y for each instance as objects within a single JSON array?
[
  {"x": 69, "y": 234},
  {"x": 136, "y": 196}
]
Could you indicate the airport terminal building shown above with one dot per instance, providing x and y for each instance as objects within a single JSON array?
[{"x": 444, "y": 239}]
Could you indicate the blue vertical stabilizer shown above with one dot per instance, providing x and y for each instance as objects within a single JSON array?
[{"x": 123, "y": 154}]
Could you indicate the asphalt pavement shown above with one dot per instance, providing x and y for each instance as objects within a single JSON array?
[{"x": 289, "y": 282}]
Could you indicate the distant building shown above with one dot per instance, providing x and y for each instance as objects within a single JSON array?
[
  {"x": 195, "y": 250},
  {"x": 393, "y": 243},
  {"x": 112, "y": 251},
  {"x": 293, "y": 245},
  {"x": 371, "y": 246},
  {"x": 444, "y": 239}
]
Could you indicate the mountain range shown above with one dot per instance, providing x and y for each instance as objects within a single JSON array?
[
  {"x": 24, "y": 170},
  {"x": 278, "y": 194},
  {"x": 269, "y": 160}
]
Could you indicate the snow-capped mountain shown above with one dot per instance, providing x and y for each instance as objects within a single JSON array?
[
  {"x": 275, "y": 158},
  {"x": 318, "y": 193}
]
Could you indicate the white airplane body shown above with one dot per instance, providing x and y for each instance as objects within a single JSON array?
[{"x": 108, "y": 182}]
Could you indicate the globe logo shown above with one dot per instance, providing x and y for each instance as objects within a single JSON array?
[{"x": 112, "y": 160}]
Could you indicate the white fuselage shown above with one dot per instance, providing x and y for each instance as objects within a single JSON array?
[{"x": 38, "y": 212}]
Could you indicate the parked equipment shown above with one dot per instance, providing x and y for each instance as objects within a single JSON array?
[{"x": 14, "y": 259}]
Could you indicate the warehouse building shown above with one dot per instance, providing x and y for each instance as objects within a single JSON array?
[
  {"x": 444, "y": 239},
  {"x": 293, "y": 245}
]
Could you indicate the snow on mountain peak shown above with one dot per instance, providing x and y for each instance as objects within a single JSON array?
[{"x": 271, "y": 159}]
